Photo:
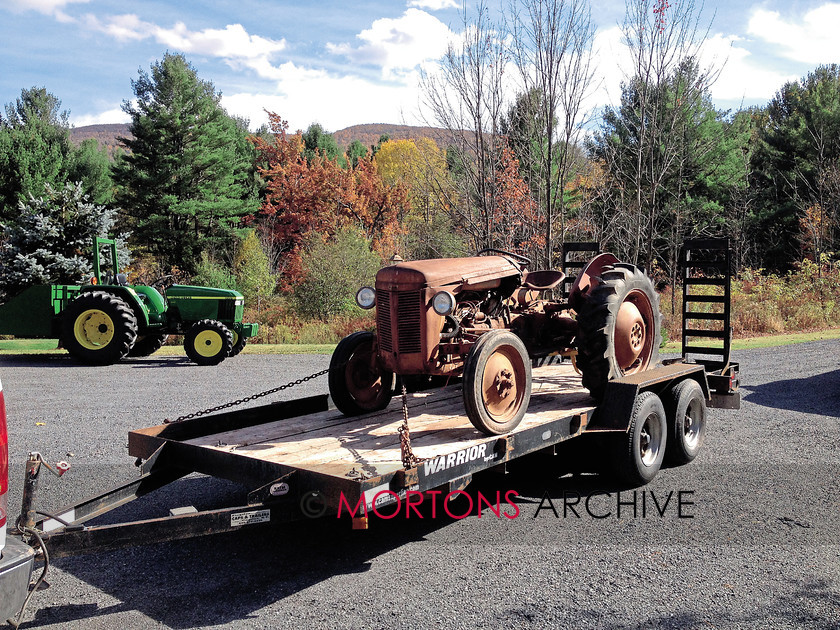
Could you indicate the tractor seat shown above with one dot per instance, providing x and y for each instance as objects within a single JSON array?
[{"x": 543, "y": 280}]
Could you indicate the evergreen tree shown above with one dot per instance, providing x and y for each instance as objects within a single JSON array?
[
  {"x": 189, "y": 175},
  {"x": 46, "y": 244},
  {"x": 35, "y": 150},
  {"x": 317, "y": 141},
  {"x": 797, "y": 168},
  {"x": 355, "y": 152}
]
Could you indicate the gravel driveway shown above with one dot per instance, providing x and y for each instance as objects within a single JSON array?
[{"x": 757, "y": 544}]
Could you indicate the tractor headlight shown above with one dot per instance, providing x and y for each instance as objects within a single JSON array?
[
  {"x": 366, "y": 298},
  {"x": 443, "y": 303}
]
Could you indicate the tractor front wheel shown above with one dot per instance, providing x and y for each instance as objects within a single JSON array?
[
  {"x": 357, "y": 383},
  {"x": 98, "y": 328},
  {"x": 497, "y": 382},
  {"x": 208, "y": 342},
  {"x": 238, "y": 343}
]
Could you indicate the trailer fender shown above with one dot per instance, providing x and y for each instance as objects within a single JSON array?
[{"x": 615, "y": 412}]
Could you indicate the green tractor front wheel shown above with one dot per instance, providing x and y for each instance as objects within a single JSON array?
[
  {"x": 238, "y": 343},
  {"x": 98, "y": 328},
  {"x": 208, "y": 342}
]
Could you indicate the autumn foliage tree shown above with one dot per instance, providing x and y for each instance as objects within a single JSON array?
[{"x": 314, "y": 194}]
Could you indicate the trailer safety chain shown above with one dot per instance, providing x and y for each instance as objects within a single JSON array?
[
  {"x": 234, "y": 403},
  {"x": 409, "y": 459}
]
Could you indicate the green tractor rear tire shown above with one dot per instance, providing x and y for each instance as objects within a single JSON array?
[
  {"x": 147, "y": 344},
  {"x": 208, "y": 342},
  {"x": 98, "y": 328}
]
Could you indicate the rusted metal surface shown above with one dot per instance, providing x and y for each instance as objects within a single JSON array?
[
  {"x": 587, "y": 279},
  {"x": 473, "y": 274}
]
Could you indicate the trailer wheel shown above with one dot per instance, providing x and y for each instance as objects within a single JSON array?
[
  {"x": 208, "y": 342},
  {"x": 686, "y": 411},
  {"x": 639, "y": 453},
  {"x": 98, "y": 328},
  {"x": 238, "y": 343},
  {"x": 497, "y": 382},
  {"x": 619, "y": 328},
  {"x": 357, "y": 383},
  {"x": 147, "y": 344}
]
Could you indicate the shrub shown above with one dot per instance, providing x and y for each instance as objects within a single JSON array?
[{"x": 334, "y": 270}]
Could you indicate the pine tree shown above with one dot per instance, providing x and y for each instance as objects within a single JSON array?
[
  {"x": 50, "y": 241},
  {"x": 35, "y": 150},
  {"x": 189, "y": 175}
]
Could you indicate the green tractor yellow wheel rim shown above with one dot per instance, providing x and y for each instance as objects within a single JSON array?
[
  {"x": 208, "y": 343},
  {"x": 94, "y": 329},
  {"x": 234, "y": 336}
]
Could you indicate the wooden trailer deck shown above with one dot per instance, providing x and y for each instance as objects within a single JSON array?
[
  {"x": 332, "y": 443},
  {"x": 334, "y": 454}
]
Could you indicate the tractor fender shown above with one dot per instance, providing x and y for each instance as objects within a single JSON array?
[{"x": 130, "y": 297}]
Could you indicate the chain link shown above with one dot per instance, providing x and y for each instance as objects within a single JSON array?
[
  {"x": 234, "y": 403},
  {"x": 409, "y": 459}
]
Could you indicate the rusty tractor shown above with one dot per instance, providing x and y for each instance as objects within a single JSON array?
[{"x": 484, "y": 319}]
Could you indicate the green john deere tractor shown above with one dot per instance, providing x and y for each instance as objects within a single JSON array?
[{"x": 101, "y": 322}]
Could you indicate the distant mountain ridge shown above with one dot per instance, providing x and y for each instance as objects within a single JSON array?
[{"x": 369, "y": 134}]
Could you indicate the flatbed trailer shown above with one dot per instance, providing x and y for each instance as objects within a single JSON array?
[
  {"x": 300, "y": 459},
  {"x": 304, "y": 459}
]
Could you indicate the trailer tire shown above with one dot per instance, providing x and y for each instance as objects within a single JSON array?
[
  {"x": 638, "y": 454},
  {"x": 357, "y": 383},
  {"x": 98, "y": 328},
  {"x": 685, "y": 406},
  {"x": 497, "y": 382},
  {"x": 239, "y": 341},
  {"x": 619, "y": 327},
  {"x": 208, "y": 342},
  {"x": 147, "y": 344}
]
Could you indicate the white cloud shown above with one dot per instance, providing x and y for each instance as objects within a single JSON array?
[
  {"x": 742, "y": 75},
  {"x": 47, "y": 7},
  {"x": 304, "y": 96},
  {"x": 123, "y": 28},
  {"x": 398, "y": 45},
  {"x": 109, "y": 116},
  {"x": 232, "y": 43},
  {"x": 434, "y": 5},
  {"x": 811, "y": 39}
]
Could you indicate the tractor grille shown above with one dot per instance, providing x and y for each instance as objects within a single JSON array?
[
  {"x": 383, "y": 320},
  {"x": 227, "y": 310},
  {"x": 403, "y": 311}
]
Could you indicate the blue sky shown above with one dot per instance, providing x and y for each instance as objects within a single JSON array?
[{"x": 341, "y": 63}]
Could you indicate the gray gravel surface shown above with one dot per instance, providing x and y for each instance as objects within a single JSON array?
[{"x": 761, "y": 549}]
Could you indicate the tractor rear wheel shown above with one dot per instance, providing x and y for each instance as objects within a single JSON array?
[
  {"x": 208, "y": 342},
  {"x": 619, "y": 327},
  {"x": 98, "y": 328},
  {"x": 147, "y": 344},
  {"x": 357, "y": 383},
  {"x": 497, "y": 382},
  {"x": 238, "y": 343}
]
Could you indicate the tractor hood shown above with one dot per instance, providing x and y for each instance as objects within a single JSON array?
[
  {"x": 454, "y": 274},
  {"x": 187, "y": 292}
]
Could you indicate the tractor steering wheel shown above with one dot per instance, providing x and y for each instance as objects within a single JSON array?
[{"x": 523, "y": 259}]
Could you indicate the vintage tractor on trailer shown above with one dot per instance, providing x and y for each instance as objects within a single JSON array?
[
  {"x": 107, "y": 319},
  {"x": 484, "y": 319}
]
